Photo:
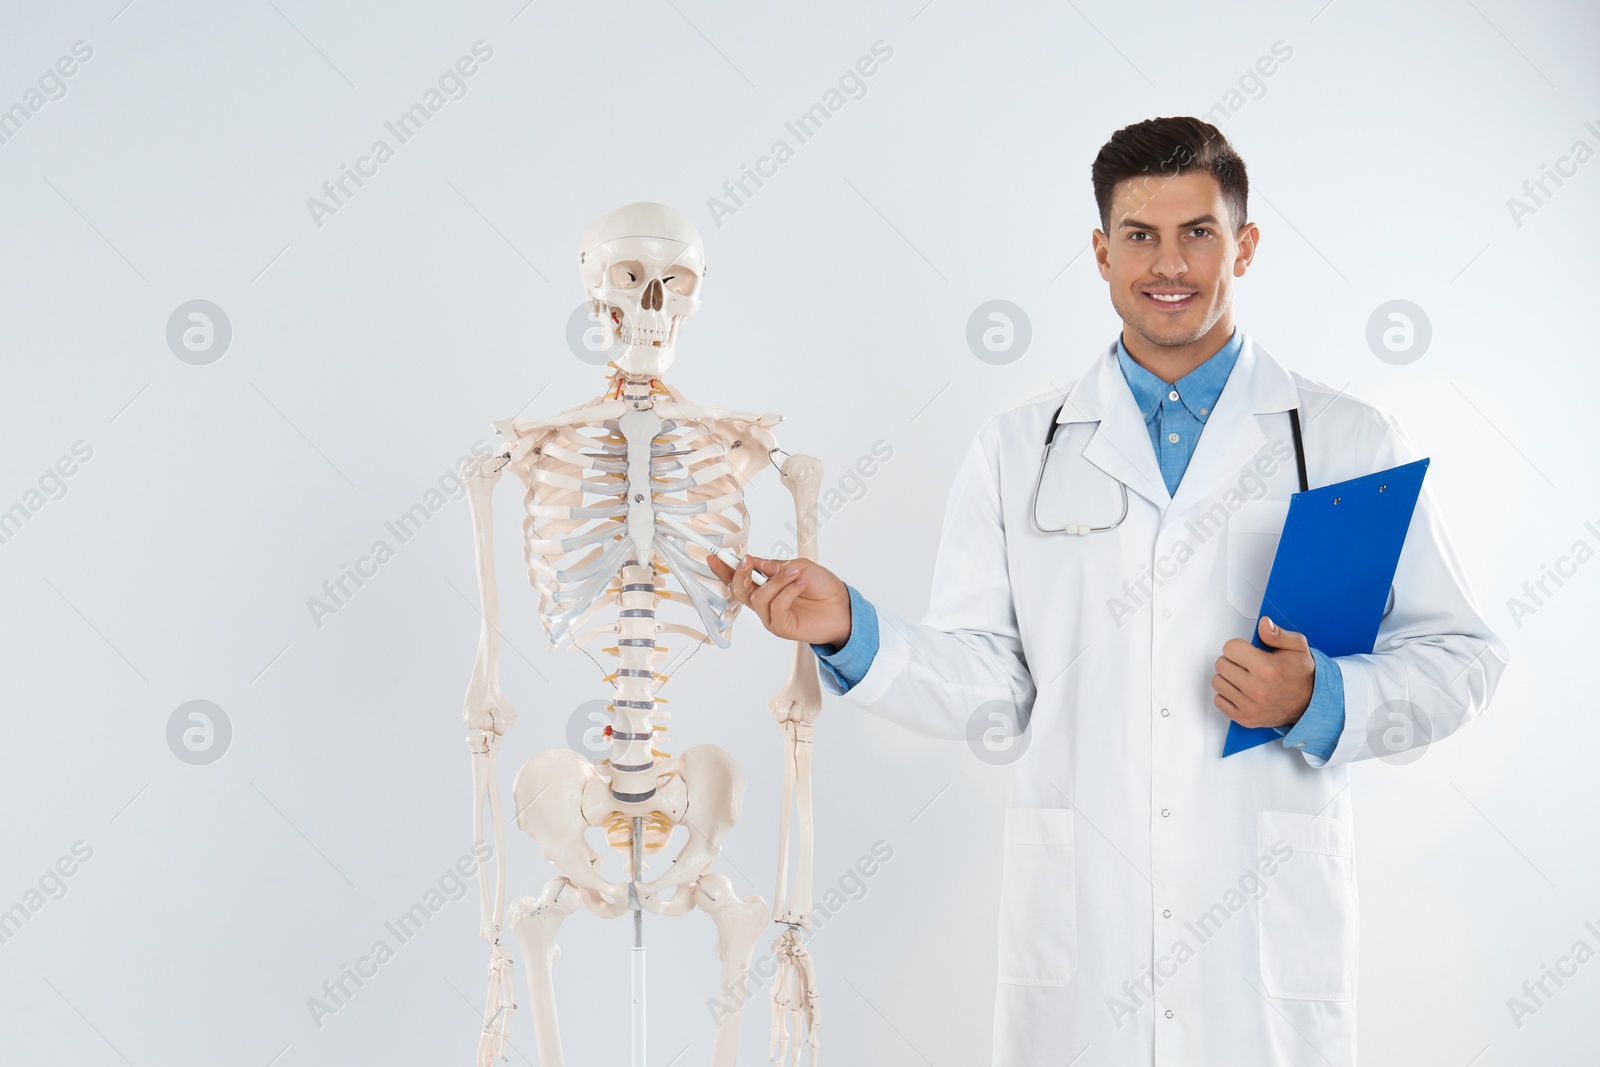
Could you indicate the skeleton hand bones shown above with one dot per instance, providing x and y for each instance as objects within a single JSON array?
[{"x": 796, "y": 1011}]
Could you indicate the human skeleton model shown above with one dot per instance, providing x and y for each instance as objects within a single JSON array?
[{"x": 627, "y": 495}]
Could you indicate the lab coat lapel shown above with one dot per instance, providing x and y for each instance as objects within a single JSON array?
[
  {"x": 1257, "y": 385},
  {"x": 1121, "y": 442}
]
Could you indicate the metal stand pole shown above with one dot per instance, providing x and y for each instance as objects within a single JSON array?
[{"x": 638, "y": 942}]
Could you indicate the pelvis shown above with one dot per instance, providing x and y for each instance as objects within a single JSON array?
[{"x": 560, "y": 795}]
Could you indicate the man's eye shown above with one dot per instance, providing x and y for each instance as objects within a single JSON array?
[
  {"x": 1137, "y": 235},
  {"x": 1201, "y": 230}
]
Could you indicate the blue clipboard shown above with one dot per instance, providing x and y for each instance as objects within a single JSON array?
[{"x": 1335, "y": 563}]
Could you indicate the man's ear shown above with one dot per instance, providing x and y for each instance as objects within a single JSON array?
[
  {"x": 1102, "y": 249},
  {"x": 1248, "y": 240}
]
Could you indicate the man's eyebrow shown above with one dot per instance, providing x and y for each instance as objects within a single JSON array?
[{"x": 1132, "y": 223}]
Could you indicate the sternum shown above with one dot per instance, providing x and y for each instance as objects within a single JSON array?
[{"x": 640, "y": 428}]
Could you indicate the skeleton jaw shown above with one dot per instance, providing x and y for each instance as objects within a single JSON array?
[
  {"x": 641, "y": 363},
  {"x": 647, "y": 351}
]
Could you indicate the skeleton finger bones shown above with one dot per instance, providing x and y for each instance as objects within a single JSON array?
[{"x": 796, "y": 1013}]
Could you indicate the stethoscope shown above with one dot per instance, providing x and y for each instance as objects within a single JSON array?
[{"x": 1082, "y": 529}]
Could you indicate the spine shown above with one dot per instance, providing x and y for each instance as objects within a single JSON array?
[
  {"x": 633, "y": 703},
  {"x": 633, "y": 777}
]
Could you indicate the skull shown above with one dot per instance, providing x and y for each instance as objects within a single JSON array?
[{"x": 641, "y": 268}]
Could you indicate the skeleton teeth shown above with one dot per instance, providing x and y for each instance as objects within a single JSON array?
[{"x": 638, "y": 335}]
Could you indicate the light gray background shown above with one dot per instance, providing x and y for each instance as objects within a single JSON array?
[{"x": 369, "y": 353}]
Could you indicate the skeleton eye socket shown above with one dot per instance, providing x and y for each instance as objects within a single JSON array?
[
  {"x": 680, "y": 280},
  {"x": 629, "y": 274}
]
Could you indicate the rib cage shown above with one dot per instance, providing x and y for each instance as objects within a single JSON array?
[{"x": 575, "y": 531}]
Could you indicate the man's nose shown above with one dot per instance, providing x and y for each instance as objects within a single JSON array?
[{"x": 1170, "y": 264}]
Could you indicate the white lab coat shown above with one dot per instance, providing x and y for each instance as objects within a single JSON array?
[{"x": 1131, "y": 845}]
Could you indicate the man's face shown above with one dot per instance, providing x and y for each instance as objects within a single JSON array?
[{"x": 1171, "y": 256}]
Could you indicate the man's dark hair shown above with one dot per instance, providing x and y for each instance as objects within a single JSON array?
[{"x": 1166, "y": 148}]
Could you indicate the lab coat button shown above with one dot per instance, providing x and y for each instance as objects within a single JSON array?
[
  {"x": 1166, "y": 613},
  {"x": 1166, "y": 913},
  {"x": 1169, "y": 1013},
  {"x": 1165, "y": 813},
  {"x": 1165, "y": 713}
]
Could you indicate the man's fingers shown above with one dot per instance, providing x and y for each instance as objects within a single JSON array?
[
  {"x": 768, "y": 567},
  {"x": 1232, "y": 671},
  {"x": 738, "y": 585},
  {"x": 1247, "y": 656},
  {"x": 1275, "y": 636},
  {"x": 1239, "y": 650},
  {"x": 738, "y": 579},
  {"x": 761, "y": 600},
  {"x": 1228, "y": 690},
  {"x": 782, "y": 605},
  {"x": 1228, "y": 707},
  {"x": 749, "y": 567},
  {"x": 744, "y": 583}
]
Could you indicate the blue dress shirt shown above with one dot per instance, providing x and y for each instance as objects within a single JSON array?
[
  {"x": 847, "y": 664},
  {"x": 1175, "y": 413}
]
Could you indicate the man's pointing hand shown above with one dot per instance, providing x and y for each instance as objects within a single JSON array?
[{"x": 800, "y": 601}]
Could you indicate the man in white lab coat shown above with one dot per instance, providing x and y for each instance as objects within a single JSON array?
[{"x": 1160, "y": 903}]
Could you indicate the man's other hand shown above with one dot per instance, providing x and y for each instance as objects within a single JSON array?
[
  {"x": 1265, "y": 687},
  {"x": 800, "y": 601}
]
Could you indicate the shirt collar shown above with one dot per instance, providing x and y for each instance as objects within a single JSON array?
[{"x": 1198, "y": 390}]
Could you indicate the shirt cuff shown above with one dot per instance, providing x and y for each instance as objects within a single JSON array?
[
  {"x": 1317, "y": 732},
  {"x": 849, "y": 664}
]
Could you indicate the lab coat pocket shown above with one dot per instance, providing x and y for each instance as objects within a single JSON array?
[
  {"x": 1307, "y": 919},
  {"x": 1253, "y": 533},
  {"x": 1038, "y": 899}
]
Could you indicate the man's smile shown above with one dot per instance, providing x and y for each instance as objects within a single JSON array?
[{"x": 1170, "y": 299}]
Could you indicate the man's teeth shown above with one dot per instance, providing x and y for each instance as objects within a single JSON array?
[{"x": 1169, "y": 298}]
